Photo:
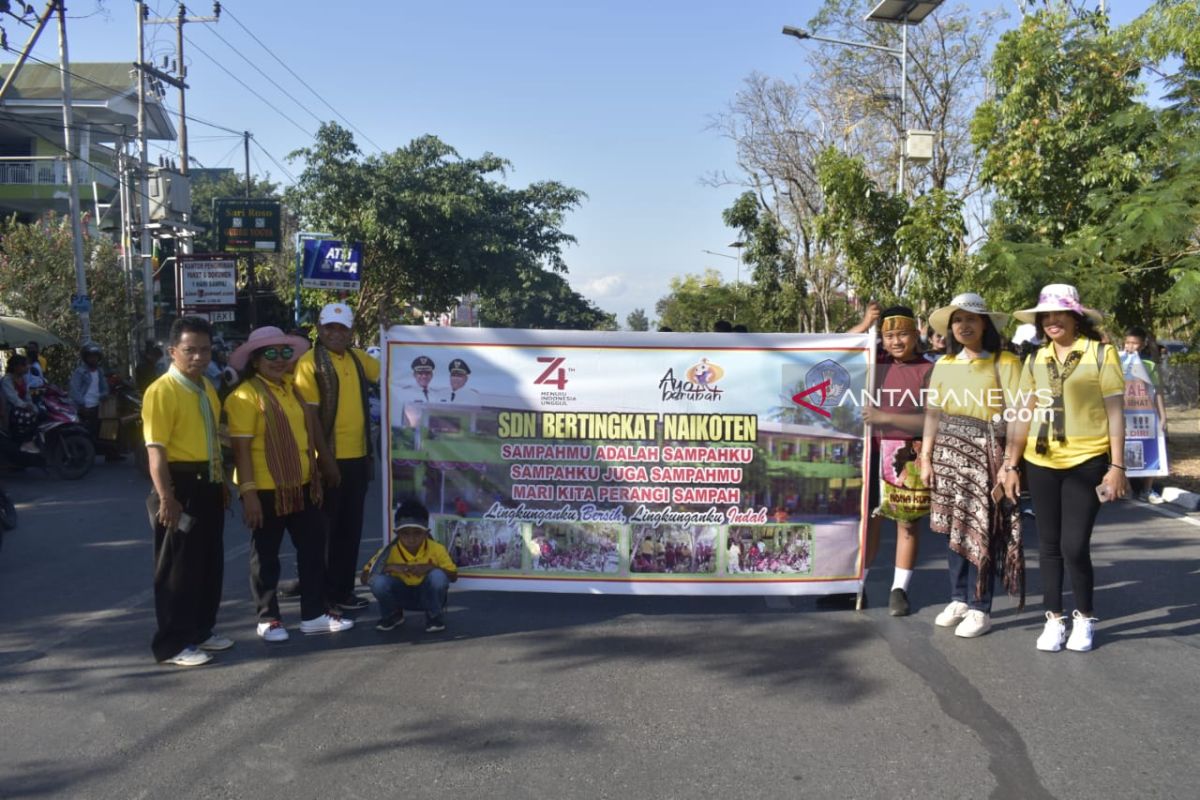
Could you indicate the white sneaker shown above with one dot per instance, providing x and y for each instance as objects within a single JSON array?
[
  {"x": 1154, "y": 498},
  {"x": 951, "y": 615},
  {"x": 215, "y": 643},
  {"x": 189, "y": 657},
  {"x": 1054, "y": 635},
  {"x": 326, "y": 623},
  {"x": 1082, "y": 630},
  {"x": 976, "y": 623},
  {"x": 272, "y": 631}
]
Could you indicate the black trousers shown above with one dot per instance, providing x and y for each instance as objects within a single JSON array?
[
  {"x": 189, "y": 567},
  {"x": 343, "y": 512},
  {"x": 1066, "y": 505},
  {"x": 307, "y": 530}
]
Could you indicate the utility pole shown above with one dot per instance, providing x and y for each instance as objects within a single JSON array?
[
  {"x": 184, "y": 238},
  {"x": 33, "y": 37},
  {"x": 81, "y": 304},
  {"x": 251, "y": 278},
  {"x": 179, "y": 20},
  {"x": 146, "y": 247}
]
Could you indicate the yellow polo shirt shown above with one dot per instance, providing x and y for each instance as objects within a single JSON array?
[
  {"x": 430, "y": 552},
  {"x": 171, "y": 419},
  {"x": 1086, "y": 423},
  {"x": 348, "y": 428},
  {"x": 968, "y": 387},
  {"x": 248, "y": 421}
]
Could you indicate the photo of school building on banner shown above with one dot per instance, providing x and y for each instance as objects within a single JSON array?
[
  {"x": 1145, "y": 438},
  {"x": 633, "y": 463}
]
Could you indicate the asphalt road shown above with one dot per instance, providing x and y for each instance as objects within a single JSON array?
[{"x": 553, "y": 696}]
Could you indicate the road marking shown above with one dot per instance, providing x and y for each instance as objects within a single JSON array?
[{"x": 1180, "y": 516}]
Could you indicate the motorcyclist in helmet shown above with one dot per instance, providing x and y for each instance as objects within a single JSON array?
[{"x": 88, "y": 387}]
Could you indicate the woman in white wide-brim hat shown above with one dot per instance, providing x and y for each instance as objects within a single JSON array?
[
  {"x": 961, "y": 455},
  {"x": 279, "y": 487},
  {"x": 1076, "y": 460}
]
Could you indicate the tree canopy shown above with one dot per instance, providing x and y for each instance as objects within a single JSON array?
[{"x": 434, "y": 225}]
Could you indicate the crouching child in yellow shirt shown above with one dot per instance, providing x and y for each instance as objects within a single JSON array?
[{"x": 411, "y": 572}]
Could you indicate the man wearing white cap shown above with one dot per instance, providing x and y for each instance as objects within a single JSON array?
[{"x": 333, "y": 379}]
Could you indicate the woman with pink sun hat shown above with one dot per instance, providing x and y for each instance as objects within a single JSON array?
[
  {"x": 279, "y": 487},
  {"x": 1075, "y": 461}
]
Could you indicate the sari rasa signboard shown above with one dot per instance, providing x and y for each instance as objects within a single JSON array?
[{"x": 632, "y": 463}]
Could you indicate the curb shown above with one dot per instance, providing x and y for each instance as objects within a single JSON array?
[{"x": 1182, "y": 499}]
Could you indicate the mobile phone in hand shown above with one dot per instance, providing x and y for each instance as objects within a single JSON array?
[
  {"x": 186, "y": 522},
  {"x": 1104, "y": 493}
]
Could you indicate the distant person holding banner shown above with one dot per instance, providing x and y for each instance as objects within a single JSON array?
[
  {"x": 897, "y": 418},
  {"x": 1136, "y": 340},
  {"x": 1076, "y": 458},
  {"x": 961, "y": 457}
]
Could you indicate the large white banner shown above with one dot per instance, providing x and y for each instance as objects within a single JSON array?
[{"x": 633, "y": 463}]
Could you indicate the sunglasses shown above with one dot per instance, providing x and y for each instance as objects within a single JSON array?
[{"x": 276, "y": 353}]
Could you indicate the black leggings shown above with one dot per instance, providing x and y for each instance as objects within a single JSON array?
[{"x": 1066, "y": 505}]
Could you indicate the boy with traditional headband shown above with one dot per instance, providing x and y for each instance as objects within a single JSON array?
[{"x": 897, "y": 418}]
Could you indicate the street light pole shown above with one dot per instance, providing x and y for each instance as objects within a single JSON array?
[
  {"x": 904, "y": 13},
  {"x": 900, "y": 53}
]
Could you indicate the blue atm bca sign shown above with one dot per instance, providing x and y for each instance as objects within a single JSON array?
[{"x": 330, "y": 264}]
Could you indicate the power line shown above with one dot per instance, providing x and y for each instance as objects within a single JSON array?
[
  {"x": 246, "y": 86},
  {"x": 106, "y": 87},
  {"x": 227, "y": 155},
  {"x": 271, "y": 80},
  {"x": 303, "y": 83},
  {"x": 190, "y": 118},
  {"x": 275, "y": 161}
]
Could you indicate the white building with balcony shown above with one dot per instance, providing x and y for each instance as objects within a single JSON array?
[{"x": 33, "y": 175}]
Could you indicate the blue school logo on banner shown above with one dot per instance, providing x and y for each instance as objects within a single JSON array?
[{"x": 826, "y": 383}]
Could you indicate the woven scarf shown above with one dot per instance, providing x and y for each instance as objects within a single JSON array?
[
  {"x": 216, "y": 472},
  {"x": 283, "y": 453},
  {"x": 327, "y": 389},
  {"x": 1057, "y": 410}
]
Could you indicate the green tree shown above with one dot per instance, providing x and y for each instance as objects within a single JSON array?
[
  {"x": 931, "y": 242},
  {"x": 637, "y": 320},
  {"x": 434, "y": 225},
  {"x": 781, "y": 291},
  {"x": 1093, "y": 186},
  {"x": 542, "y": 300},
  {"x": 860, "y": 221},
  {"x": 37, "y": 280},
  {"x": 698, "y": 301}
]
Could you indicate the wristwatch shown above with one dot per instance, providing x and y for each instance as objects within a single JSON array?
[{"x": 1009, "y": 468}]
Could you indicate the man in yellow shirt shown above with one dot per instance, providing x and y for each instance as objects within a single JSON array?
[
  {"x": 334, "y": 380},
  {"x": 412, "y": 571},
  {"x": 187, "y": 504}
]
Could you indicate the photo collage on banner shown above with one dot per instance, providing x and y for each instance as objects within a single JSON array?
[
  {"x": 1145, "y": 439},
  {"x": 633, "y": 463}
]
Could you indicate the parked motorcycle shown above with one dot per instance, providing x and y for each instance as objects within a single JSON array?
[
  {"x": 65, "y": 447},
  {"x": 121, "y": 423}
]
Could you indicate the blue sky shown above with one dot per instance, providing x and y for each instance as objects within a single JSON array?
[{"x": 613, "y": 98}]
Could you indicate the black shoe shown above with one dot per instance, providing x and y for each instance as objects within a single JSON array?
[
  {"x": 898, "y": 603},
  {"x": 353, "y": 603},
  {"x": 435, "y": 625},
  {"x": 289, "y": 588},
  {"x": 390, "y": 621}
]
